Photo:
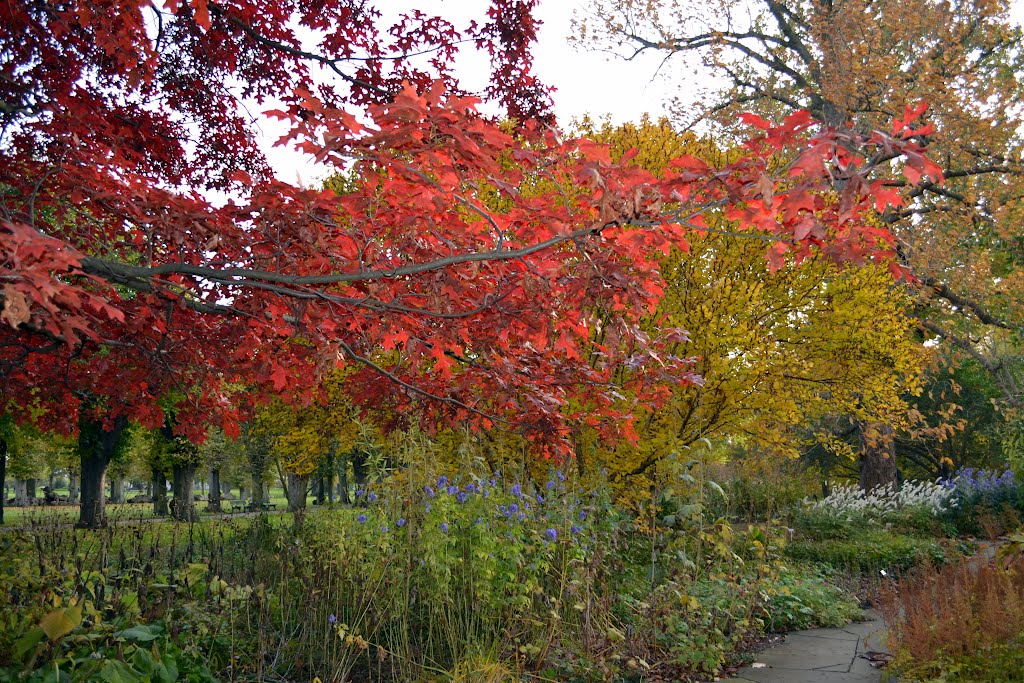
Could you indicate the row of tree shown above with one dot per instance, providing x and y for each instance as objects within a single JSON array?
[{"x": 613, "y": 295}]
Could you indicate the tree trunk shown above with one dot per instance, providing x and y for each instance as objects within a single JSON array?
[
  {"x": 214, "y": 500},
  {"x": 318, "y": 489},
  {"x": 3, "y": 477},
  {"x": 30, "y": 490},
  {"x": 73, "y": 487},
  {"x": 296, "y": 492},
  {"x": 877, "y": 457},
  {"x": 160, "y": 508},
  {"x": 360, "y": 472},
  {"x": 343, "y": 496},
  {"x": 96, "y": 446},
  {"x": 183, "y": 506},
  {"x": 257, "y": 488},
  {"x": 20, "y": 493},
  {"x": 116, "y": 490}
]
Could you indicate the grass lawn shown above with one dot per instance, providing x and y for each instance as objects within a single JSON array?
[{"x": 48, "y": 514}]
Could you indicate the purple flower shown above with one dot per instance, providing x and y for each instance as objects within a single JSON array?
[
  {"x": 583, "y": 514},
  {"x": 550, "y": 485},
  {"x": 332, "y": 619},
  {"x": 401, "y": 522},
  {"x": 561, "y": 477},
  {"x": 384, "y": 528},
  {"x": 516, "y": 491},
  {"x": 552, "y": 535},
  {"x": 479, "y": 520},
  {"x": 429, "y": 491},
  {"x": 494, "y": 482},
  {"x": 574, "y": 529},
  {"x": 471, "y": 488},
  {"x": 361, "y": 519},
  {"x": 444, "y": 527},
  {"x": 372, "y": 497},
  {"x": 360, "y": 493},
  {"x": 521, "y": 516},
  {"x": 487, "y": 493},
  {"x": 462, "y": 497},
  {"x": 452, "y": 490},
  {"x": 442, "y": 481},
  {"x": 513, "y": 508}
]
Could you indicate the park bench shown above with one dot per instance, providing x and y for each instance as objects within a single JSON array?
[{"x": 249, "y": 506}]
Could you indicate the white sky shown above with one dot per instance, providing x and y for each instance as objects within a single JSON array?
[{"x": 586, "y": 82}]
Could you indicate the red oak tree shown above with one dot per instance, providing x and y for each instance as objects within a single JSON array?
[{"x": 466, "y": 266}]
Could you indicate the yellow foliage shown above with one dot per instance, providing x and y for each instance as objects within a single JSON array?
[{"x": 776, "y": 350}]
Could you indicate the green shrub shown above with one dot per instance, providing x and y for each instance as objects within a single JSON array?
[
  {"x": 869, "y": 550},
  {"x": 805, "y": 597}
]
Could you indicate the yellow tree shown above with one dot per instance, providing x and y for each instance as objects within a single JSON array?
[
  {"x": 776, "y": 350},
  {"x": 860, "y": 62},
  {"x": 306, "y": 436}
]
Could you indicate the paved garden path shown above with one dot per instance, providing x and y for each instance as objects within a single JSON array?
[{"x": 822, "y": 655}]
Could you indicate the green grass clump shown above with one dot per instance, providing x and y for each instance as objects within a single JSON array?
[{"x": 869, "y": 550}]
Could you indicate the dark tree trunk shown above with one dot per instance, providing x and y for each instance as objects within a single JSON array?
[
  {"x": 183, "y": 506},
  {"x": 96, "y": 446},
  {"x": 318, "y": 489},
  {"x": 214, "y": 504},
  {"x": 30, "y": 490},
  {"x": 3, "y": 477},
  {"x": 343, "y": 496},
  {"x": 159, "y": 484},
  {"x": 877, "y": 457},
  {"x": 360, "y": 471},
  {"x": 73, "y": 488},
  {"x": 296, "y": 492}
]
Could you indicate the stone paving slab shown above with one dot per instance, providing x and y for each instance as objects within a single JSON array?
[{"x": 823, "y": 655}]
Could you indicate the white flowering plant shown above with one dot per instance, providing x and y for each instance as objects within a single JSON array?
[{"x": 885, "y": 503}]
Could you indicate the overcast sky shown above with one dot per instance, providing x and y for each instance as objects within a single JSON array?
[{"x": 586, "y": 82}]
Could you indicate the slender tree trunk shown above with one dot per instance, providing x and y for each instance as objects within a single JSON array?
[
  {"x": 52, "y": 480},
  {"x": 160, "y": 507},
  {"x": 183, "y": 506},
  {"x": 3, "y": 477},
  {"x": 343, "y": 496},
  {"x": 318, "y": 489},
  {"x": 360, "y": 471},
  {"x": 877, "y": 457},
  {"x": 30, "y": 490},
  {"x": 214, "y": 500},
  {"x": 73, "y": 487}
]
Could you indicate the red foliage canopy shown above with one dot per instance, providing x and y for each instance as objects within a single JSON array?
[{"x": 466, "y": 265}]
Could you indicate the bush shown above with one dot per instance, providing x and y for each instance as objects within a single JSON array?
[
  {"x": 988, "y": 502},
  {"x": 869, "y": 550},
  {"x": 805, "y": 598},
  {"x": 958, "y": 623}
]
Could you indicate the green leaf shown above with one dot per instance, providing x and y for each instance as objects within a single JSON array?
[
  {"x": 713, "y": 485},
  {"x": 27, "y": 642},
  {"x": 115, "y": 671},
  {"x": 140, "y": 633}
]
